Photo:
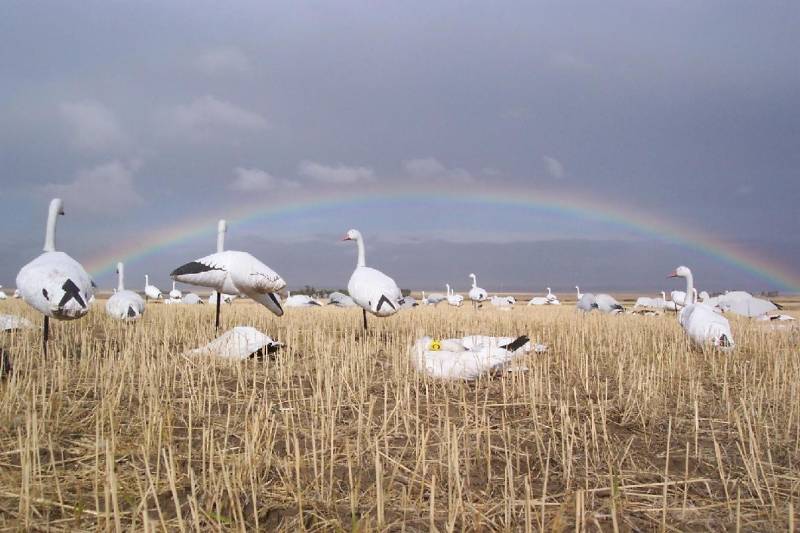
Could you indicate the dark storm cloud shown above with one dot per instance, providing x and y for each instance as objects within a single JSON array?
[{"x": 142, "y": 112}]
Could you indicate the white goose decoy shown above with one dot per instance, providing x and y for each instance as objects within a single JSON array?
[
  {"x": 54, "y": 283},
  {"x": 191, "y": 298},
  {"x": 476, "y": 294},
  {"x": 17, "y": 294},
  {"x": 233, "y": 272},
  {"x": 578, "y": 291},
  {"x": 226, "y": 298},
  {"x": 503, "y": 302},
  {"x": 239, "y": 344},
  {"x": 751, "y": 307},
  {"x": 175, "y": 294},
  {"x": 552, "y": 299},
  {"x": 123, "y": 304},
  {"x": 300, "y": 300},
  {"x": 371, "y": 289},
  {"x": 701, "y": 324},
  {"x": 453, "y": 298},
  {"x": 538, "y": 300},
  {"x": 677, "y": 297},
  {"x": 151, "y": 291},
  {"x": 340, "y": 299},
  {"x": 3, "y": 295},
  {"x": 465, "y": 358},
  {"x": 14, "y": 322},
  {"x": 435, "y": 298},
  {"x": 607, "y": 304},
  {"x": 586, "y": 302}
]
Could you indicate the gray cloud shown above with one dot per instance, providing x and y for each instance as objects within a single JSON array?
[
  {"x": 257, "y": 180},
  {"x": 335, "y": 174},
  {"x": 106, "y": 189},
  {"x": 204, "y": 117},
  {"x": 432, "y": 168},
  {"x": 554, "y": 167},
  {"x": 222, "y": 60},
  {"x": 92, "y": 125}
]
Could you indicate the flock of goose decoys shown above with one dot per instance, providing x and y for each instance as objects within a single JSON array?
[{"x": 60, "y": 288}]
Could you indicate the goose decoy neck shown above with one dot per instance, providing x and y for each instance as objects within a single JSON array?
[{"x": 56, "y": 208}]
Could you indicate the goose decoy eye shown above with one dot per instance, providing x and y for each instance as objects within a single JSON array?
[{"x": 44, "y": 293}]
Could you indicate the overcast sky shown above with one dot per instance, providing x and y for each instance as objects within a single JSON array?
[{"x": 142, "y": 115}]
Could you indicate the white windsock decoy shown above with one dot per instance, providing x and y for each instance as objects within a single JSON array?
[
  {"x": 175, "y": 294},
  {"x": 607, "y": 304},
  {"x": 233, "y": 272},
  {"x": 701, "y": 324},
  {"x": 339, "y": 299},
  {"x": 586, "y": 302},
  {"x": 123, "y": 304},
  {"x": 370, "y": 288},
  {"x": 578, "y": 290},
  {"x": 476, "y": 294},
  {"x": 191, "y": 298},
  {"x": 151, "y": 291},
  {"x": 54, "y": 283},
  {"x": 465, "y": 358},
  {"x": 300, "y": 300},
  {"x": 453, "y": 298}
]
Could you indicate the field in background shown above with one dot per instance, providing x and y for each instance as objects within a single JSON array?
[{"x": 619, "y": 425}]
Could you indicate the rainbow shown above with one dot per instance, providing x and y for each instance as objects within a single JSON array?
[{"x": 563, "y": 204}]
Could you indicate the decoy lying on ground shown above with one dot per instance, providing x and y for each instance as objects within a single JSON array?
[
  {"x": 468, "y": 357},
  {"x": 240, "y": 343}
]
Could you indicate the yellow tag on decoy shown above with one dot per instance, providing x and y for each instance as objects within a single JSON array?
[{"x": 435, "y": 345}]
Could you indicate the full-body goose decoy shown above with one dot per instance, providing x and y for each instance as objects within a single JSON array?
[
  {"x": 175, "y": 294},
  {"x": 371, "y": 289},
  {"x": 151, "y": 291},
  {"x": 123, "y": 304},
  {"x": 465, "y": 358},
  {"x": 701, "y": 324},
  {"x": 54, "y": 283},
  {"x": 233, "y": 272},
  {"x": 3, "y": 295},
  {"x": 435, "y": 298},
  {"x": 552, "y": 299},
  {"x": 453, "y": 298},
  {"x": 226, "y": 298},
  {"x": 476, "y": 294},
  {"x": 578, "y": 291}
]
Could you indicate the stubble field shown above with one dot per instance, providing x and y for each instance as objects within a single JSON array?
[{"x": 618, "y": 426}]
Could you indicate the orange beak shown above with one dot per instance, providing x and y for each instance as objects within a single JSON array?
[
  {"x": 345, "y": 238},
  {"x": 673, "y": 275}
]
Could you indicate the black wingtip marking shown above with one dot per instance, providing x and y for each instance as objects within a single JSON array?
[
  {"x": 131, "y": 311},
  {"x": 192, "y": 268},
  {"x": 516, "y": 344},
  {"x": 384, "y": 300},
  {"x": 71, "y": 292},
  {"x": 724, "y": 341},
  {"x": 44, "y": 293},
  {"x": 275, "y": 301},
  {"x": 594, "y": 306}
]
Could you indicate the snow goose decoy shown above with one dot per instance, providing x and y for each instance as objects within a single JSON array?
[
  {"x": 3, "y": 295},
  {"x": 702, "y": 325},
  {"x": 54, "y": 283},
  {"x": 233, "y": 272},
  {"x": 435, "y": 298},
  {"x": 175, "y": 294},
  {"x": 538, "y": 300},
  {"x": 151, "y": 291},
  {"x": 453, "y": 298},
  {"x": 578, "y": 291},
  {"x": 586, "y": 302},
  {"x": 552, "y": 299},
  {"x": 226, "y": 298},
  {"x": 124, "y": 304},
  {"x": 238, "y": 344},
  {"x": 466, "y": 358},
  {"x": 300, "y": 300},
  {"x": 476, "y": 294},
  {"x": 607, "y": 304},
  {"x": 371, "y": 289},
  {"x": 340, "y": 299}
]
